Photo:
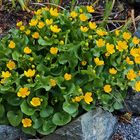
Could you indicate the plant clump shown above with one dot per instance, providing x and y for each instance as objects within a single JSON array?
[{"x": 60, "y": 64}]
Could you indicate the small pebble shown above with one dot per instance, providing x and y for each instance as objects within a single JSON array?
[{"x": 127, "y": 131}]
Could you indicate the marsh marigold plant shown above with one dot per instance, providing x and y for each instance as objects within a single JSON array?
[{"x": 62, "y": 63}]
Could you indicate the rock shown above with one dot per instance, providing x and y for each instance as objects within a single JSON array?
[
  {"x": 93, "y": 125},
  {"x": 137, "y": 32},
  {"x": 134, "y": 2},
  {"x": 132, "y": 104},
  {"x": 11, "y": 133},
  {"x": 128, "y": 131}
]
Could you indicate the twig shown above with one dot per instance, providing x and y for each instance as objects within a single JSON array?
[
  {"x": 133, "y": 18},
  {"x": 44, "y": 4},
  {"x": 110, "y": 21}
]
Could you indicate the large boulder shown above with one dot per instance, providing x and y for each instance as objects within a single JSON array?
[
  {"x": 132, "y": 104},
  {"x": 11, "y": 133},
  {"x": 93, "y": 125}
]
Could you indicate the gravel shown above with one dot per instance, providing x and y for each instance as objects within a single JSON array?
[{"x": 128, "y": 131}]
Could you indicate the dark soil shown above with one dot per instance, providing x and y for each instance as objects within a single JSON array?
[{"x": 121, "y": 12}]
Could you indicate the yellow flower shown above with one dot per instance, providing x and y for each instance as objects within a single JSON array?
[
  {"x": 23, "y": 92},
  {"x": 27, "y": 50},
  {"x": 101, "y": 32},
  {"x": 92, "y": 25},
  {"x": 30, "y": 73},
  {"x": 122, "y": 45},
  {"x": 139, "y": 73},
  {"x": 53, "y": 50},
  {"x": 54, "y": 12},
  {"x": 107, "y": 54},
  {"x": 90, "y": 9},
  {"x": 61, "y": 42},
  {"x": 6, "y": 74},
  {"x": 126, "y": 35},
  {"x": 27, "y": 122},
  {"x": 88, "y": 97},
  {"x": 36, "y": 101},
  {"x": 38, "y": 12},
  {"x": 137, "y": 86},
  {"x": 73, "y": 14},
  {"x": 84, "y": 63},
  {"x": 67, "y": 76},
  {"x": 49, "y": 21},
  {"x": 112, "y": 71},
  {"x": 135, "y": 40},
  {"x": 11, "y": 65},
  {"x": 110, "y": 48},
  {"x": 137, "y": 59},
  {"x": 45, "y": 8},
  {"x": 83, "y": 17},
  {"x": 41, "y": 24},
  {"x": 107, "y": 88},
  {"x": 52, "y": 82},
  {"x": 83, "y": 29},
  {"x": 27, "y": 32},
  {"x": 98, "y": 62},
  {"x": 19, "y": 23},
  {"x": 100, "y": 42},
  {"x": 35, "y": 35},
  {"x": 128, "y": 61},
  {"x": 78, "y": 98},
  {"x": 2, "y": 81},
  {"x": 12, "y": 45},
  {"x": 55, "y": 29},
  {"x": 135, "y": 52},
  {"x": 117, "y": 32},
  {"x": 22, "y": 28},
  {"x": 81, "y": 10},
  {"x": 33, "y": 22},
  {"x": 131, "y": 75},
  {"x": 31, "y": 59}
]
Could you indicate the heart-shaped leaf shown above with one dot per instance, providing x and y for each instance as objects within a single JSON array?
[
  {"x": 14, "y": 117},
  {"x": 70, "y": 107},
  {"x": 61, "y": 118},
  {"x": 46, "y": 112},
  {"x": 2, "y": 110},
  {"x": 48, "y": 127},
  {"x": 26, "y": 109}
]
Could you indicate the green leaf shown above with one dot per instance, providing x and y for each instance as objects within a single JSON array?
[
  {"x": 48, "y": 127},
  {"x": 43, "y": 42},
  {"x": 61, "y": 118},
  {"x": 26, "y": 109},
  {"x": 86, "y": 106},
  {"x": 98, "y": 82},
  {"x": 29, "y": 130},
  {"x": 15, "y": 55},
  {"x": 43, "y": 82},
  {"x": 2, "y": 110},
  {"x": 37, "y": 123},
  {"x": 70, "y": 108},
  {"x": 117, "y": 105},
  {"x": 14, "y": 117},
  {"x": 106, "y": 98},
  {"x": 46, "y": 112},
  {"x": 13, "y": 100}
]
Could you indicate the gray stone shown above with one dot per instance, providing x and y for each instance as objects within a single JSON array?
[
  {"x": 11, "y": 133},
  {"x": 93, "y": 125},
  {"x": 128, "y": 131},
  {"x": 132, "y": 104}
]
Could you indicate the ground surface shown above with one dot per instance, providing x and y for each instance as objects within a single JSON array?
[
  {"x": 121, "y": 12},
  {"x": 128, "y": 131},
  {"x": 119, "y": 15}
]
